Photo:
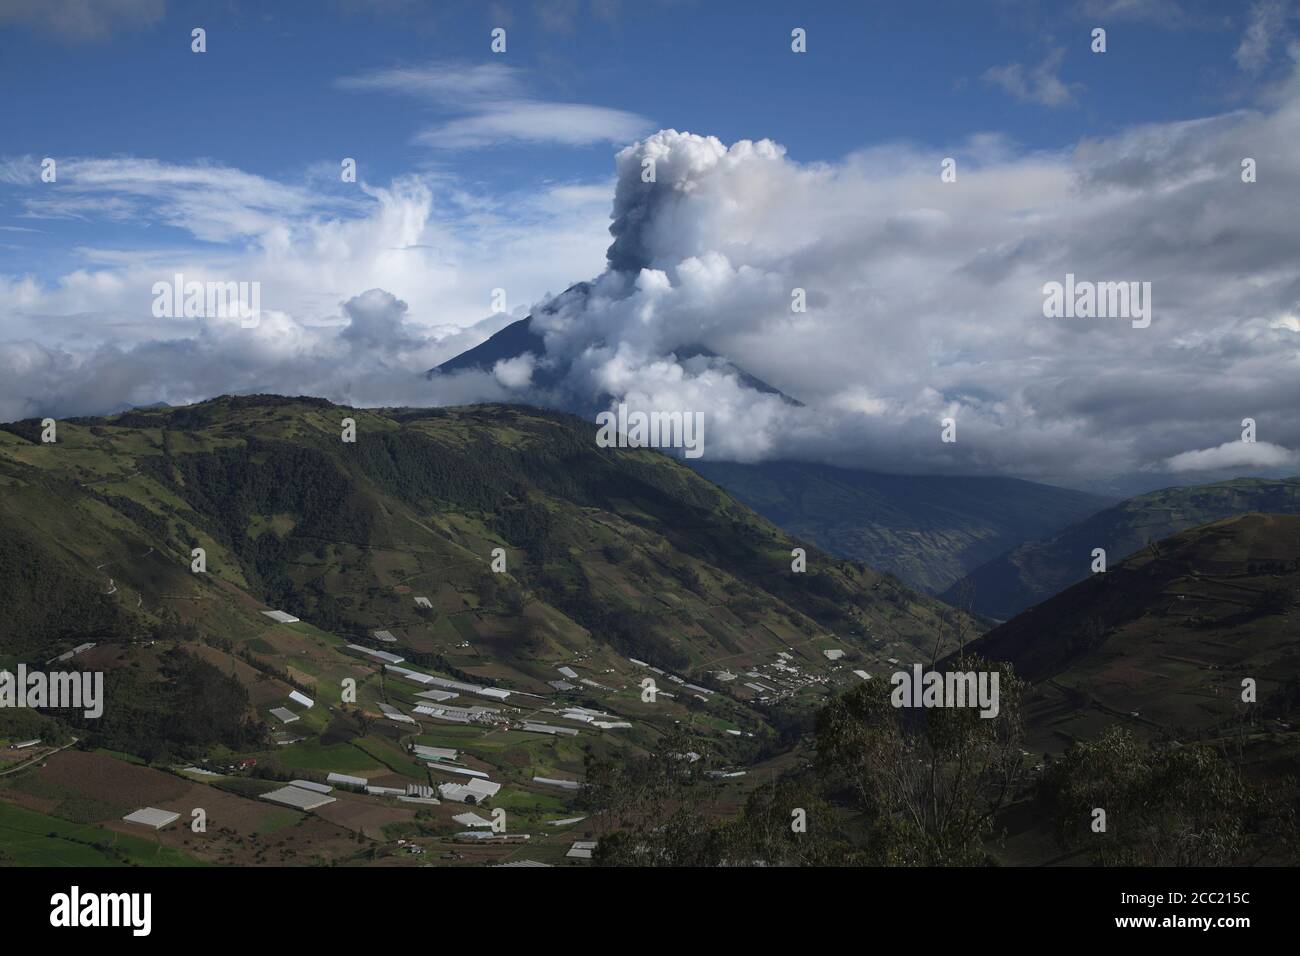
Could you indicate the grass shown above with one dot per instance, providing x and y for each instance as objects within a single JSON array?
[
  {"x": 391, "y": 757},
  {"x": 526, "y": 802},
  {"x": 28, "y": 838},
  {"x": 313, "y": 755},
  {"x": 278, "y": 820},
  {"x": 433, "y": 541}
]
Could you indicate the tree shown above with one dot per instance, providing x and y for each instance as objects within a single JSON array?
[
  {"x": 647, "y": 810},
  {"x": 1179, "y": 805},
  {"x": 487, "y": 589},
  {"x": 930, "y": 782},
  {"x": 786, "y": 823},
  {"x": 514, "y": 601}
]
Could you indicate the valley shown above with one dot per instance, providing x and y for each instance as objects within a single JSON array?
[
  {"x": 475, "y": 636},
  {"x": 335, "y": 567}
]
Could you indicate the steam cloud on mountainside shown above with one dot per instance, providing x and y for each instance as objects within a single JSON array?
[{"x": 924, "y": 301}]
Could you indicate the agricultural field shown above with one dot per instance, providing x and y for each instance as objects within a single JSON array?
[{"x": 599, "y": 579}]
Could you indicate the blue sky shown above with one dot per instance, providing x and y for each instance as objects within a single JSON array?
[
  {"x": 265, "y": 97},
  {"x": 481, "y": 173}
]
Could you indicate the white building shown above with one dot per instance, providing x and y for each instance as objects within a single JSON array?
[
  {"x": 433, "y": 753},
  {"x": 298, "y": 798},
  {"x": 474, "y": 791},
  {"x": 384, "y": 656},
  {"x": 152, "y": 817},
  {"x": 346, "y": 780},
  {"x": 581, "y": 849},
  {"x": 392, "y": 713}
]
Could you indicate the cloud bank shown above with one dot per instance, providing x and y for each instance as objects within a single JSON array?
[{"x": 924, "y": 299}]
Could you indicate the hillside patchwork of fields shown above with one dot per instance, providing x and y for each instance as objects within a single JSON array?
[{"x": 621, "y": 567}]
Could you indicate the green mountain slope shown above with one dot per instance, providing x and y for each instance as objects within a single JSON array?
[
  {"x": 926, "y": 530},
  {"x": 1036, "y": 570},
  {"x": 331, "y": 531},
  {"x": 1162, "y": 641},
  {"x": 1167, "y": 691},
  {"x": 611, "y": 555},
  {"x": 1162, "y": 693}
]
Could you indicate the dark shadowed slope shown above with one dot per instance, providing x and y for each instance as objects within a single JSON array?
[
  {"x": 926, "y": 530},
  {"x": 1034, "y": 571},
  {"x": 514, "y": 340},
  {"x": 1164, "y": 639}
]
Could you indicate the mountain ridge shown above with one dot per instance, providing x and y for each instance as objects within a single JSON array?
[
  {"x": 928, "y": 530},
  {"x": 1037, "y": 569}
]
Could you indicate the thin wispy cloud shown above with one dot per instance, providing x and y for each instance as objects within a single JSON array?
[
  {"x": 523, "y": 121},
  {"x": 82, "y": 21},
  {"x": 1040, "y": 84},
  {"x": 1266, "y": 29},
  {"x": 442, "y": 83},
  {"x": 1164, "y": 12},
  {"x": 489, "y": 104},
  {"x": 212, "y": 202}
]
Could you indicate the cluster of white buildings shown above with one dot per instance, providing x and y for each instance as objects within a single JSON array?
[
  {"x": 286, "y": 716},
  {"x": 703, "y": 693}
]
